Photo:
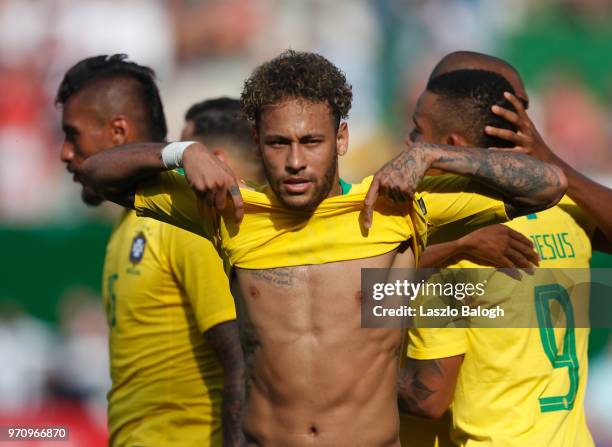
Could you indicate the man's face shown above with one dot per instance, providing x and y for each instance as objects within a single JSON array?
[
  {"x": 85, "y": 135},
  {"x": 299, "y": 145},
  {"x": 423, "y": 120}
]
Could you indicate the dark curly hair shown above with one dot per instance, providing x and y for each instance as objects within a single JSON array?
[{"x": 295, "y": 74}]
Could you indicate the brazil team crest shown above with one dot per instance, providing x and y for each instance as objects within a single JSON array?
[{"x": 137, "y": 250}]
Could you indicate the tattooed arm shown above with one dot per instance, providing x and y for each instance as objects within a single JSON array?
[
  {"x": 588, "y": 194},
  {"x": 527, "y": 185},
  {"x": 426, "y": 387},
  {"x": 225, "y": 341}
]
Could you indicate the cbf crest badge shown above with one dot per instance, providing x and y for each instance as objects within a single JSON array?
[{"x": 139, "y": 244}]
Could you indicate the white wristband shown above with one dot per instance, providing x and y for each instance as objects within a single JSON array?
[{"x": 172, "y": 154}]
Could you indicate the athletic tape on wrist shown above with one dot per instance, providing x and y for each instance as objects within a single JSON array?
[{"x": 172, "y": 154}]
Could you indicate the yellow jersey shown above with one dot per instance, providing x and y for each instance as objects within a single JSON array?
[
  {"x": 163, "y": 287},
  {"x": 521, "y": 386},
  {"x": 273, "y": 236},
  {"x": 455, "y": 206}
]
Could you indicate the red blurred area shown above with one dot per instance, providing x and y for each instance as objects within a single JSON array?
[{"x": 87, "y": 428}]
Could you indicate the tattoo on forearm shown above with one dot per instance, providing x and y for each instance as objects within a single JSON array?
[
  {"x": 225, "y": 341},
  {"x": 413, "y": 389},
  {"x": 512, "y": 173},
  {"x": 250, "y": 346}
]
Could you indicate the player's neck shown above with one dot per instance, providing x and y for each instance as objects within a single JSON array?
[{"x": 336, "y": 188}]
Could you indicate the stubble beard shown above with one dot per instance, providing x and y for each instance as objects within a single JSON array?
[{"x": 319, "y": 195}]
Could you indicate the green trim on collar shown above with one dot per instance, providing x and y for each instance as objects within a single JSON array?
[{"x": 346, "y": 187}]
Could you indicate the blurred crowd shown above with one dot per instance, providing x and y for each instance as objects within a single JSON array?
[
  {"x": 206, "y": 48},
  {"x": 56, "y": 375}
]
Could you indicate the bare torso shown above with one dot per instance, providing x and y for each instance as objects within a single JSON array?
[{"x": 316, "y": 378}]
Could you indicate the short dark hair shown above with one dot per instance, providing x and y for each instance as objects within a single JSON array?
[
  {"x": 116, "y": 66},
  {"x": 299, "y": 75},
  {"x": 466, "y": 97},
  {"x": 220, "y": 119}
]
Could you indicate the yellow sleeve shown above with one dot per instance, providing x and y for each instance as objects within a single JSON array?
[
  {"x": 581, "y": 218},
  {"x": 169, "y": 198},
  {"x": 436, "y": 343},
  {"x": 199, "y": 269},
  {"x": 458, "y": 204}
]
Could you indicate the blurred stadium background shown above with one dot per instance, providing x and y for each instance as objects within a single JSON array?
[{"x": 53, "y": 355}]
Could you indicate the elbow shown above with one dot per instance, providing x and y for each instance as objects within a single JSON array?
[
  {"x": 562, "y": 185},
  {"x": 87, "y": 173},
  {"x": 546, "y": 196},
  {"x": 555, "y": 192},
  {"x": 432, "y": 409}
]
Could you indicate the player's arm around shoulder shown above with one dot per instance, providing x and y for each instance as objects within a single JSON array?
[
  {"x": 526, "y": 185},
  {"x": 493, "y": 245},
  {"x": 143, "y": 176},
  {"x": 117, "y": 173},
  {"x": 200, "y": 271}
]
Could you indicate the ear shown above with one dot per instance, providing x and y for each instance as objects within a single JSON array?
[
  {"x": 455, "y": 139},
  {"x": 120, "y": 130},
  {"x": 342, "y": 139},
  {"x": 255, "y": 134}
]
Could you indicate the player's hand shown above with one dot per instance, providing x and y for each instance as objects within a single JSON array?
[
  {"x": 526, "y": 139},
  {"x": 397, "y": 180},
  {"x": 211, "y": 179},
  {"x": 499, "y": 246}
]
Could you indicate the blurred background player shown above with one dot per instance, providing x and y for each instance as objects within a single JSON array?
[
  {"x": 514, "y": 381},
  {"x": 174, "y": 346},
  {"x": 218, "y": 123}
]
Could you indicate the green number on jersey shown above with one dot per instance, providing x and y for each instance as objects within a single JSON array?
[
  {"x": 112, "y": 314},
  {"x": 568, "y": 357}
]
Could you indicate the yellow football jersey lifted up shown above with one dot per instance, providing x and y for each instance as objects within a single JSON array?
[{"x": 273, "y": 236}]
